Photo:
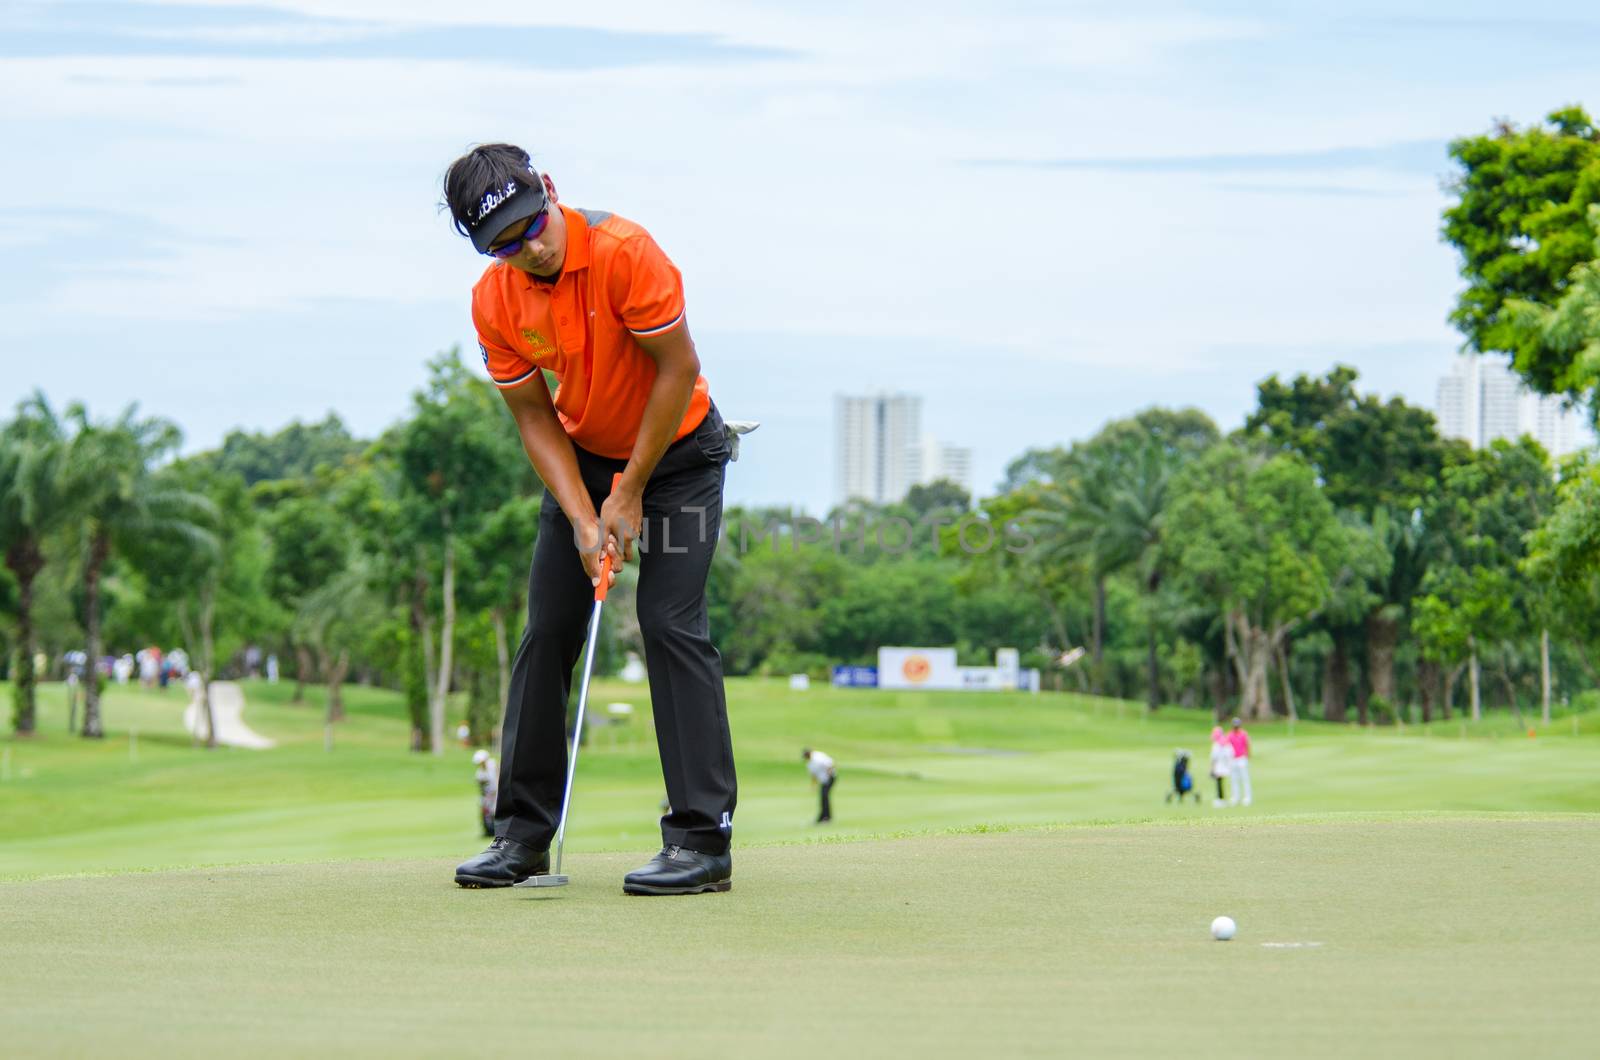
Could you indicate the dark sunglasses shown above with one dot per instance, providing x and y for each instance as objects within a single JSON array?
[{"x": 536, "y": 226}]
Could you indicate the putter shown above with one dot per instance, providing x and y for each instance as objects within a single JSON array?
[{"x": 556, "y": 879}]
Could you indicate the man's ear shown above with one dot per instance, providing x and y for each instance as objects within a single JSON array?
[{"x": 550, "y": 188}]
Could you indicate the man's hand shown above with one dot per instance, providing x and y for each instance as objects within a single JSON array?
[
  {"x": 589, "y": 551},
  {"x": 622, "y": 516}
]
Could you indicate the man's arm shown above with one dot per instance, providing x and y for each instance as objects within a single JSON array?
[
  {"x": 677, "y": 369},
  {"x": 553, "y": 457}
]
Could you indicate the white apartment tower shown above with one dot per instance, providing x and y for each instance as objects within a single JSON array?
[
  {"x": 936, "y": 461},
  {"x": 875, "y": 440},
  {"x": 1481, "y": 400}
]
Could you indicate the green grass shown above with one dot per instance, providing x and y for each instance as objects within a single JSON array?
[
  {"x": 908, "y": 762},
  {"x": 1039, "y": 899}
]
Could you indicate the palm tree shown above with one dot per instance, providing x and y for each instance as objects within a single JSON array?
[
  {"x": 332, "y": 619},
  {"x": 119, "y": 500},
  {"x": 1072, "y": 518},
  {"x": 32, "y": 451},
  {"x": 1108, "y": 511},
  {"x": 1135, "y": 521}
]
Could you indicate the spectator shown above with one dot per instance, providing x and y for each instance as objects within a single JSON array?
[
  {"x": 149, "y": 660},
  {"x": 488, "y": 777},
  {"x": 77, "y": 662},
  {"x": 1240, "y": 741},
  {"x": 1221, "y": 762},
  {"x": 823, "y": 774}
]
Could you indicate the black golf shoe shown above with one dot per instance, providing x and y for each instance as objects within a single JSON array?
[
  {"x": 505, "y": 862},
  {"x": 677, "y": 870}
]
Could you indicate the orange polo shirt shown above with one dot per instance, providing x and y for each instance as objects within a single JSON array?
[{"x": 615, "y": 284}]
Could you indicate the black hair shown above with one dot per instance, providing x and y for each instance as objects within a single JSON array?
[{"x": 481, "y": 170}]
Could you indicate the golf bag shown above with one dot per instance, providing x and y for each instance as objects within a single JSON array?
[{"x": 1182, "y": 782}]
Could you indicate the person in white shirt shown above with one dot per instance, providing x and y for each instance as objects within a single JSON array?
[
  {"x": 488, "y": 778},
  {"x": 1221, "y": 762},
  {"x": 820, "y": 766}
]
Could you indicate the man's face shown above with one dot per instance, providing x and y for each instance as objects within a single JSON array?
[{"x": 544, "y": 254}]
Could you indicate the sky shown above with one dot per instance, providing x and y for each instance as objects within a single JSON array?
[{"x": 1039, "y": 216}]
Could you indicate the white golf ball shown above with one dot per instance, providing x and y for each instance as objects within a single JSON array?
[{"x": 1222, "y": 928}]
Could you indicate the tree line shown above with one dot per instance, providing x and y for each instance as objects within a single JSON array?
[{"x": 1334, "y": 557}]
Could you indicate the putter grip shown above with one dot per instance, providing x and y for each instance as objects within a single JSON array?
[{"x": 605, "y": 556}]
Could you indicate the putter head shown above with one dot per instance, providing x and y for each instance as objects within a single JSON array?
[{"x": 546, "y": 880}]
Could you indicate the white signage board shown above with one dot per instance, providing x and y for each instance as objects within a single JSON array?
[{"x": 918, "y": 668}]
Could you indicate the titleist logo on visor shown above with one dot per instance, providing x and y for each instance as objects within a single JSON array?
[{"x": 494, "y": 198}]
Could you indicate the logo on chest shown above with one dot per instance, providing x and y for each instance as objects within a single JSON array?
[{"x": 540, "y": 346}]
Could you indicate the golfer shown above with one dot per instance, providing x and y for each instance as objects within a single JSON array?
[
  {"x": 1239, "y": 740},
  {"x": 820, "y": 766},
  {"x": 589, "y": 300}
]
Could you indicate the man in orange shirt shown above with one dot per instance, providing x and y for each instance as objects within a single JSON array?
[{"x": 590, "y": 299}]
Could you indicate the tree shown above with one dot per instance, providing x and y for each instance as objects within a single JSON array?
[
  {"x": 120, "y": 502},
  {"x": 1376, "y": 460},
  {"x": 458, "y": 459},
  {"x": 1564, "y": 555},
  {"x": 334, "y": 619},
  {"x": 941, "y": 495},
  {"x": 1521, "y": 225},
  {"x": 1570, "y": 328},
  {"x": 33, "y": 448},
  {"x": 1062, "y": 589},
  {"x": 1076, "y": 526},
  {"x": 1183, "y": 433},
  {"x": 295, "y": 452},
  {"x": 215, "y": 589},
  {"x": 310, "y": 544},
  {"x": 499, "y": 583},
  {"x": 1473, "y": 598},
  {"x": 1263, "y": 545},
  {"x": 1105, "y": 505},
  {"x": 905, "y": 602}
]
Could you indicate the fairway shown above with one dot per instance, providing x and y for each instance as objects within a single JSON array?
[
  {"x": 1003, "y": 878},
  {"x": 1080, "y": 941}
]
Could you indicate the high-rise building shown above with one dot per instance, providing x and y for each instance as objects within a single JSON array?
[
  {"x": 875, "y": 454},
  {"x": 1457, "y": 405},
  {"x": 936, "y": 461},
  {"x": 1482, "y": 400}
]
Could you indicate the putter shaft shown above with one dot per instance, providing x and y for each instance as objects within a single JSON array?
[{"x": 583, "y": 690}]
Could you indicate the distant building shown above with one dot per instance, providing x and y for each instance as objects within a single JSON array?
[
  {"x": 935, "y": 461},
  {"x": 880, "y": 451},
  {"x": 1482, "y": 400},
  {"x": 875, "y": 446}
]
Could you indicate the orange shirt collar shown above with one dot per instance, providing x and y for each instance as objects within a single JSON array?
[{"x": 577, "y": 246}]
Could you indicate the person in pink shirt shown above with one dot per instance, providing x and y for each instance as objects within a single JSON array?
[{"x": 1241, "y": 763}]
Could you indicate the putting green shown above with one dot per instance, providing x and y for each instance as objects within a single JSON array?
[{"x": 1401, "y": 935}]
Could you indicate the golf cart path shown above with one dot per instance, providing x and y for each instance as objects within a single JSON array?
[{"x": 227, "y": 707}]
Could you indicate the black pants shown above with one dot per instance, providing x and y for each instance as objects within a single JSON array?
[
  {"x": 827, "y": 806},
  {"x": 683, "y": 517}
]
